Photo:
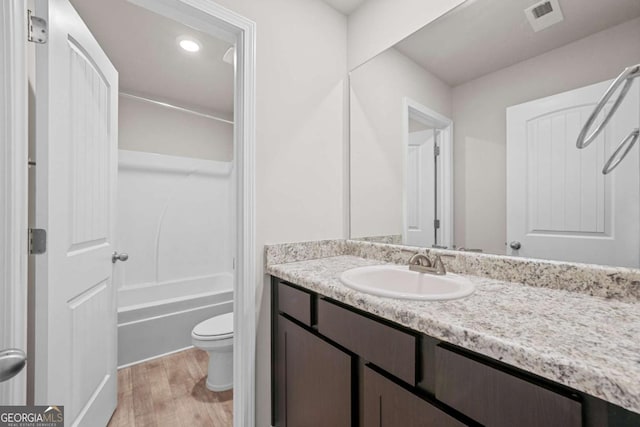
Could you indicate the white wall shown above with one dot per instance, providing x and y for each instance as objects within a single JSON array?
[
  {"x": 174, "y": 219},
  {"x": 380, "y": 24},
  {"x": 152, "y": 128},
  {"x": 480, "y": 122},
  {"x": 301, "y": 70},
  {"x": 377, "y": 91}
]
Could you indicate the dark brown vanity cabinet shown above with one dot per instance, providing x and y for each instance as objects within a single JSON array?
[
  {"x": 314, "y": 380},
  {"x": 389, "y": 348},
  {"x": 334, "y": 365},
  {"x": 496, "y": 398},
  {"x": 295, "y": 303},
  {"x": 386, "y": 404}
]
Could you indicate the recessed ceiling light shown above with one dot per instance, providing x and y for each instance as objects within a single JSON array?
[{"x": 189, "y": 44}]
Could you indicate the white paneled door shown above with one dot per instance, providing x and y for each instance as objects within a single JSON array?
[
  {"x": 559, "y": 204},
  {"x": 420, "y": 209},
  {"x": 76, "y": 153}
]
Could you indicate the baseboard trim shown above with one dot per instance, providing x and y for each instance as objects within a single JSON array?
[{"x": 148, "y": 359}]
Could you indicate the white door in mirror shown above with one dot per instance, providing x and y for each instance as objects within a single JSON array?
[
  {"x": 421, "y": 176},
  {"x": 559, "y": 204},
  {"x": 395, "y": 281}
]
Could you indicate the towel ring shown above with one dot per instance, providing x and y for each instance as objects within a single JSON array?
[
  {"x": 614, "y": 160},
  {"x": 626, "y": 77}
]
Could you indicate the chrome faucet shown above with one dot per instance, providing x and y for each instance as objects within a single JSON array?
[
  {"x": 418, "y": 262},
  {"x": 422, "y": 264}
]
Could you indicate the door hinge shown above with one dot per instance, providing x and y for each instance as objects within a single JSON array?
[
  {"x": 37, "y": 241},
  {"x": 436, "y": 224},
  {"x": 436, "y": 150},
  {"x": 37, "y": 29}
]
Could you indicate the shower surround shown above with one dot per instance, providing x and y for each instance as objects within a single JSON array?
[{"x": 175, "y": 220}]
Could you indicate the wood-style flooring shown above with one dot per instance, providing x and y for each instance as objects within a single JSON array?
[{"x": 171, "y": 391}]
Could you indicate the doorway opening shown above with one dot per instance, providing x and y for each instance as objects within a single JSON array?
[
  {"x": 175, "y": 216},
  {"x": 76, "y": 197},
  {"x": 428, "y": 177}
]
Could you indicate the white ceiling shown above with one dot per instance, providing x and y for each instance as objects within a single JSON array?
[
  {"x": 142, "y": 46},
  {"x": 345, "y": 6},
  {"x": 483, "y": 36}
]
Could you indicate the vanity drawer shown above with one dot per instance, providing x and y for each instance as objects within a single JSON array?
[
  {"x": 498, "y": 399},
  {"x": 295, "y": 303},
  {"x": 385, "y": 346}
]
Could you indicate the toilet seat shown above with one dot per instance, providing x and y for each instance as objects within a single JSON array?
[{"x": 216, "y": 328}]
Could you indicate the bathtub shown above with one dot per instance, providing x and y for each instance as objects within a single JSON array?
[{"x": 157, "y": 319}]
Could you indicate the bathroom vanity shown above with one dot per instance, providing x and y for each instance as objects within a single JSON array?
[{"x": 344, "y": 358}]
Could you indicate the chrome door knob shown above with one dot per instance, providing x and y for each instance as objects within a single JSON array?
[
  {"x": 119, "y": 257},
  {"x": 11, "y": 363},
  {"x": 515, "y": 245}
]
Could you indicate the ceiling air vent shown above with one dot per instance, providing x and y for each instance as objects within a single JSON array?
[
  {"x": 544, "y": 14},
  {"x": 542, "y": 10}
]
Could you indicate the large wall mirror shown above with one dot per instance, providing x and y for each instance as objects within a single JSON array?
[{"x": 463, "y": 135}]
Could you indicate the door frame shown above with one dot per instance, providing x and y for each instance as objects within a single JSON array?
[
  {"x": 13, "y": 194},
  {"x": 13, "y": 190},
  {"x": 414, "y": 110},
  {"x": 219, "y": 21}
]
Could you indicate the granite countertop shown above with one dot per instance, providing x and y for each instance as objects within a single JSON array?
[{"x": 588, "y": 343}]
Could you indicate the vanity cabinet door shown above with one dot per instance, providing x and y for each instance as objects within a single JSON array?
[
  {"x": 314, "y": 380},
  {"x": 499, "y": 399},
  {"x": 386, "y": 404}
]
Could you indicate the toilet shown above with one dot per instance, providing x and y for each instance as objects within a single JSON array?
[{"x": 215, "y": 336}]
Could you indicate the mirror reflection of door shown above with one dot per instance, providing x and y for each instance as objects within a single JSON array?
[
  {"x": 559, "y": 204},
  {"x": 427, "y": 195},
  {"x": 422, "y": 192}
]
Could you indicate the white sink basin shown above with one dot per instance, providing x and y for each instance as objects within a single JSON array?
[{"x": 395, "y": 281}]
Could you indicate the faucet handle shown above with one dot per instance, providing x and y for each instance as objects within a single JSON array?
[{"x": 439, "y": 265}]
